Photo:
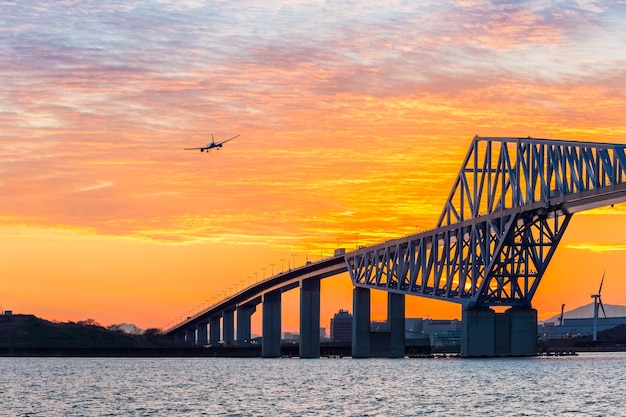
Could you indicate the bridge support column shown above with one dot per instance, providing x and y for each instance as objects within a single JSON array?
[
  {"x": 395, "y": 318},
  {"x": 523, "y": 331},
  {"x": 270, "y": 347},
  {"x": 228, "y": 327},
  {"x": 202, "y": 338},
  {"x": 215, "y": 330},
  {"x": 478, "y": 332},
  {"x": 190, "y": 336},
  {"x": 310, "y": 318},
  {"x": 502, "y": 334},
  {"x": 244, "y": 319},
  {"x": 361, "y": 323},
  {"x": 487, "y": 333}
]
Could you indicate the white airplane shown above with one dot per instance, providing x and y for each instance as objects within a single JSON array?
[{"x": 211, "y": 144}]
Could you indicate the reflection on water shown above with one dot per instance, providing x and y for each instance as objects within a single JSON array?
[{"x": 588, "y": 384}]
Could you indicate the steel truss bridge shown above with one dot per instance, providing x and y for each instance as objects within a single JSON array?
[{"x": 510, "y": 204}]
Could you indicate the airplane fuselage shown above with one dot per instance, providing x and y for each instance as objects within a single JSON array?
[{"x": 212, "y": 145}]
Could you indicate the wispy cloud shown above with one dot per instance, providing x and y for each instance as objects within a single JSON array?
[
  {"x": 98, "y": 186},
  {"x": 354, "y": 117},
  {"x": 597, "y": 247}
]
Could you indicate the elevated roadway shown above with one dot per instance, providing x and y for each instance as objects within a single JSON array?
[{"x": 253, "y": 295}]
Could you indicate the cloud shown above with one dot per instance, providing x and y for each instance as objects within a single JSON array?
[
  {"x": 350, "y": 113},
  {"x": 597, "y": 247},
  {"x": 98, "y": 186}
]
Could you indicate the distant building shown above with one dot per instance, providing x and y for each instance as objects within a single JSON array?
[
  {"x": 446, "y": 340},
  {"x": 413, "y": 328},
  {"x": 442, "y": 333},
  {"x": 432, "y": 327},
  {"x": 341, "y": 327},
  {"x": 379, "y": 326},
  {"x": 323, "y": 336},
  {"x": 576, "y": 327},
  {"x": 291, "y": 337}
]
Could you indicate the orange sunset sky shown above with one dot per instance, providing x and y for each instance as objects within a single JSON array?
[{"x": 354, "y": 120}]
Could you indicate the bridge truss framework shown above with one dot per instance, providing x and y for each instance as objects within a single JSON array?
[{"x": 501, "y": 224}]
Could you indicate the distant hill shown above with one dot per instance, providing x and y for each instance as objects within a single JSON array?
[
  {"x": 586, "y": 312},
  {"x": 24, "y": 329},
  {"x": 29, "y": 336}
]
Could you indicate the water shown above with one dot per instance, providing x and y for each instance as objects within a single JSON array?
[{"x": 585, "y": 385}]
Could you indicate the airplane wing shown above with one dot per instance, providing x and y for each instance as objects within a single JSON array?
[
  {"x": 224, "y": 141},
  {"x": 211, "y": 145}
]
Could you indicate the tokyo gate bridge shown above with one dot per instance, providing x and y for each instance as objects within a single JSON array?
[{"x": 506, "y": 213}]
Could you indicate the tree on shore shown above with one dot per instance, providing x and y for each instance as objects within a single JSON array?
[
  {"x": 152, "y": 332},
  {"x": 88, "y": 322}
]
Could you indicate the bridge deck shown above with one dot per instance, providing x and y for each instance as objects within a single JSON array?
[{"x": 283, "y": 281}]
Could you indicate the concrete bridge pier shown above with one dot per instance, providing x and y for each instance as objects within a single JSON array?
[
  {"x": 190, "y": 336},
  {"x": 395, "y": 318},
  {"x": 361, "y": 322},
  {"x": 366, "y": 343},
  {"x": 523, "y": 331},
  {"x": 487, "y": 333},
  {"x": 478, "y": 332},
  {"x": 228, "y": 327},
  {"x": 270, "y": 346},
  {"x": 310, "y": 318},
  {"x": 244, "y": 323},
  {"x": 214, "y": 330},
  {"x": 202, "y": 334}
]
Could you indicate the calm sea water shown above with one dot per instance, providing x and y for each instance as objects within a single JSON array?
[{"x": 585, "y": 385}]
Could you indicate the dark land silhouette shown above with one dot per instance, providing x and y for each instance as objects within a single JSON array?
[
  {"x": 28, "y": 335},
  {"x": 609, "y": 340}
]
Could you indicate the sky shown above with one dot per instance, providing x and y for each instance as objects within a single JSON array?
[{"x": 354, "y": 118}]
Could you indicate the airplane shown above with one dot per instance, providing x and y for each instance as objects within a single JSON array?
[{"x": 211, "y": 144}]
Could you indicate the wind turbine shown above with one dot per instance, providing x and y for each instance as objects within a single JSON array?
[{"x": 597, "y": 301}]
